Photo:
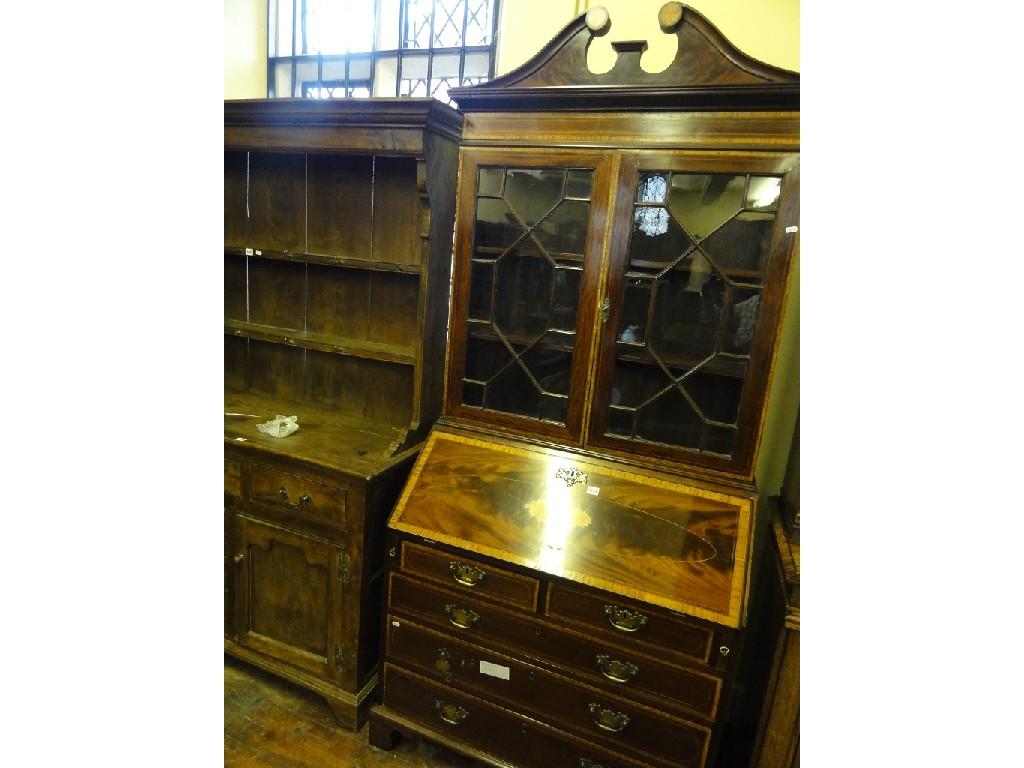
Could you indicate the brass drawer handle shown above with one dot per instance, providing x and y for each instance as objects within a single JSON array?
[
  {"x": 466, "y": 574},
  {"x": 443, "y": 661},
  {"x": 613, "y": 669},
  {"x": 305, "y": 499},
  {"x": 624, "y": 619},
  {"x": 450, "y": 713},
  {"x": 283, "y": 493},
  {"x": 607, "y": 719},
  {"x": 463, "y": 618},
  {"x": 586, "y": 762}
]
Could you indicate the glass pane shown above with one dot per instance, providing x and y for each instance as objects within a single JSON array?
[
  {"x": 579, "y": 183},
  {"x": 481, "y": 281},
  {"x": 490, "y": 182},
  {"x": 550, "y": 361},
  {"x": 513, "y": 392},
  {"x": 717, "y": 397},
  {"x": 637, "y": 379},
  {"x": 484, "y": 357},
  {"x": 652, "y": 188},
  {"x": 636, "y": 298},
  {"x": 657, "y": 240},
  {"x": 478, "y": 22},
  {"x": 532, "y": 193},
  {"x": 472, "y": 393},
  {"x": 337, "y": 26},
  {"x": 448, "y": 17},
  {"x": 496, "y": 227},
  {"x": 740, "y": 248},
  {"x": 553, "y": 408},
  {"x": 620, "y": 422},
  {"x": 567, "y": 296},
  {"x": 742, "y": 321},
  {"x": 719, "y": 440},
  {"x": 477, "y": 66},
  {"x": 417, "y": 24},
  {"x": 670, "y": 419},
  {"x": 686, "y": 319},
  {"x": 763, "y": 193},
  {"x": 702, "y": 203},
  {"x": 565, "y": 229},
  {"x": 522, "y": 293}
]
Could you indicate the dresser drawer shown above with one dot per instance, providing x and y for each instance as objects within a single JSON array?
[
  {"x": 298, "y": 495},
  {"x": 499, "y": 732},
  {"x": 232, "y": 477},
  {"x": 617, "y": 671},
  {"x": 465, "y": 574},
  {"x": 646, "y": 627},
  {"x": 586, "y": 711}
]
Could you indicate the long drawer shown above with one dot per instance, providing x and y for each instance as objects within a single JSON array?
[
  {"x": 610, "y": 668},
  {"x": 500, "y": 732},
  {"x": 616, "y": 723},
  {"x": 650, "y": 629},
  {"x": 299, "y": 496}
]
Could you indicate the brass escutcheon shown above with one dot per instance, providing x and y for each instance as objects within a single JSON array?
[
  {"x": 624, "y": 619},
  {"x": 615, "y": 670}
]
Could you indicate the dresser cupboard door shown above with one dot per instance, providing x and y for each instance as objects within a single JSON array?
[
  {"x": 289, "y": 597},
  {"x": 528, "y": 250},
  {"x": 697, "y": 275}
]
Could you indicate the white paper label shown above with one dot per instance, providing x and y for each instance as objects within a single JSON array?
[
  {"x": 259, "y": 252},
  {"x": 248, "y": 251},
  {"x": 240, "y": 440},
  {"x": 593, "y": 490},
  {"x": 791, "y": 230},
  {"x": 395, "y": 624},
  {"x": 494, "y": 670}
]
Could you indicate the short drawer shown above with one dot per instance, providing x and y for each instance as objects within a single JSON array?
[
  {"x": 298, "y": 495},
  {"x": 646, "y": 627},
  {"x": 620, "y": 672},
  {"x": 618, "y": 723},
  {"x": 232, "y": 477},
  {"x": 483, "y": 726},
  {"x": 466, "y": 574}
]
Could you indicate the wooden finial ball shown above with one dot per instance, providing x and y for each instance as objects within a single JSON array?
[
  {"x": 670, "y": 15},
  {"x": 597, "y": 19}
]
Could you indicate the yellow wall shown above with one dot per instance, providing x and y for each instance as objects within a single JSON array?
[
  {"x": 245, "y": 49},
  {"x": 768, "y": 30}
]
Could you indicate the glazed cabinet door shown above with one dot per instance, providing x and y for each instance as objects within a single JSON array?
[
  {"x": 697, "y": 275},
  {"x": 289, "y": 596},
  {"x": 528, "y": 250}
]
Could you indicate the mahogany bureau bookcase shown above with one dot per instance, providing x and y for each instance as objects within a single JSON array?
[
  {"x": 337, "y": 253},
  {"x": 572, "y": 562}
]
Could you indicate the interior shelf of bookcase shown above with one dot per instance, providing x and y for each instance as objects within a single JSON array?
[
  {"x": 389, "y": 353},
  {"x": 327, "y": 260},
  {"x": 325, "y": 437}
]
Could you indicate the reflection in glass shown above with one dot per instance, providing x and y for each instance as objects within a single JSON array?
[
  {"x": 565, "y": 229},
  {"x": 717, "y": 397},
  {"x": 554, "y": 408},
  {"x": 740, "y": 247},
  {"x": 739, "y": 333},
  {"x": 484, "y": 357},
  {"x": 657, "y": 239},
  {"x": 620, "y": 422},
  {"x": 636, "y": 297},
  {"x": 567, "y": 293},
  {"x": 579, "y": 182},
  {"x": 550, "y": 361},
  {"x": 532, "y": 193},
  {"x": 763, "y": 193},
  {"x": 472, "y": 393},
  {"x": 496, "y": 227},
  {"x": 490, "y": 183},
  {"x": 685, "y": 322},
  {"x": 701, "y": 204},
  {"x": 651, "y": 188}
]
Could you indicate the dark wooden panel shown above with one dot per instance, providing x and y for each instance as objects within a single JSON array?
[
  {"x": 548, "y": 696},
  {"x": 234, "y": 287},
  {"x": 236, "y": 353},
  {"x": 277, "y": 293},
  {"x": 394, "y": 305},
  {"x": 339, "y": 301},
  {"x": 367, "y": 389},
  {"x": 340, "y": 205},
  {"x": 396, "y": 211},
  {"x": 275, "y": 371},
  {"x": 277, "y": 201},
  {"x": 235, "y": 191},
  {"x": 232, "y": 477},
  {"x": 656, "y": 630},
  {"x": 499, "y": 732},
  {"x": 455, "y": 572},
  {"x": 671, "y": 686}
]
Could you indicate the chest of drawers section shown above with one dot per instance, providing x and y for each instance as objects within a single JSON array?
[{"x": 480, "y": 654}]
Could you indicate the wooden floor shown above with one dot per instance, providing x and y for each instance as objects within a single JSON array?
[{"x": 269, "y": 723}]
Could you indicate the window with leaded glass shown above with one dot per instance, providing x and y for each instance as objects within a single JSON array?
[{"x": 359, "y": 48}]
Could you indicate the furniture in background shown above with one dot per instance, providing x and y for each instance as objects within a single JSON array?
[
  {"x": 575, "y": 560},
  {"x": 337, "y": 246}
]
